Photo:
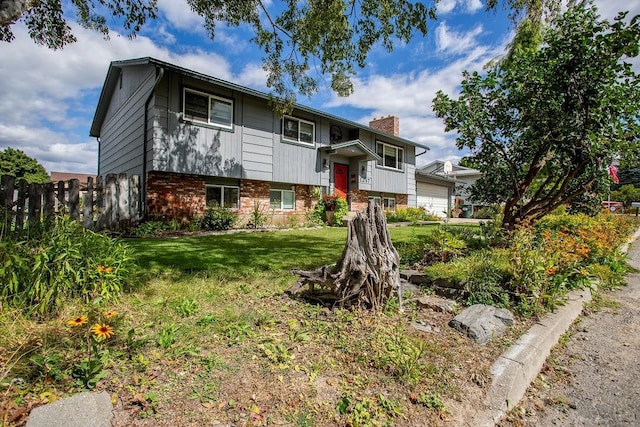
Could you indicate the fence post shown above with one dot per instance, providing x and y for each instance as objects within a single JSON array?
[
  {"x": 123, "y": 201},
  {"x": 62, "y": 207},
  {"x": 8, "y": 187},
  {"x": 22, "y": 198},
  {"x": 74, "y": 199},
  {"x": 111, "y": 200},
  {"x": 49, "y": 201},
  {"x": 134, "y": 201},
  {"x": 87, "y": 210},
  {"x": 35, "y": 203},
  {"x": 100, "y": 211}
]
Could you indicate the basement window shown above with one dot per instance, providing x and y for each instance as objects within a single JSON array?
[{"x": 222, "y": 195}]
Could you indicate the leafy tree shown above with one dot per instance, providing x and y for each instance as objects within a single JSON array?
[
  {"x": 468, "y": 162},
  {"x": 544, "y": 129},
  {"x": 337, "y": 35},
  {"x": 626, "y": 194},
  {"x": 16, "y": 163},
  {"x": 293, "y": 35},
  {"x": 628, "y": 176}
]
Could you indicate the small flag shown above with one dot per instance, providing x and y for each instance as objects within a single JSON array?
[{"x": 613, "y": 173}]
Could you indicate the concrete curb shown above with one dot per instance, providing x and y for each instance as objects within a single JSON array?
[{"x": 517, "y": 367}]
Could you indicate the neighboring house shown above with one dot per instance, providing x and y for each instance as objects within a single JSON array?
[
  {"x": 196, "y": 139},
  {"x": 56, "y": 177},
  {"x": 435, "y": 193},
  {"x": 462, "y": 177}
]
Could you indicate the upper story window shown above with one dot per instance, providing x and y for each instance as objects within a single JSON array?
[
  {"x": 201, "y": 107},
  {"x": 298, "y": 130},
  {"x": 391, "y": 157}
]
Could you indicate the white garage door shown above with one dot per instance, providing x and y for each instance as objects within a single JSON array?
[{"x": 433, "y": 198}]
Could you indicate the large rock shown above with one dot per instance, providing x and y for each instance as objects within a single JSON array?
[
  {"x": 80, "y": 410},
  {"x": 482, "y": 322}
]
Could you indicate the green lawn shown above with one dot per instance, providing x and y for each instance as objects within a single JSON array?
[{"x": 240, "y": 254}]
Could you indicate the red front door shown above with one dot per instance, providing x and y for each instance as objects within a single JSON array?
[{"x": 340, "y": 173}]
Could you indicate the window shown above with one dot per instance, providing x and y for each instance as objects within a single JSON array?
[
  {"x": 282, "y": 199},
  {"x": 389, "y": 203},
  {"x": 376, "y": 200},
  {"x": 298, "y": 130},
  {"x": 204, "y": 108},
  {"x": 391, "y": 157},
  {"x": 222, "y": 195}
]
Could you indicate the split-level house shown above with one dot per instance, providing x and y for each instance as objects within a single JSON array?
[{"x": 195, "y": 139}]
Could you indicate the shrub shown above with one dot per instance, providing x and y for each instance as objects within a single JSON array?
[
  {"x": 407, "y": 214},
  {"x": 63, "y": 261},
  {"x": 487, "y": 212},
  {"x": 218, "y": 218}
]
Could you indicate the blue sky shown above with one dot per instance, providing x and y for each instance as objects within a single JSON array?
[{"x": 49, "y": 97}]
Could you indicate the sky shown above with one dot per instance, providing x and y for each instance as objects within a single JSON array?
[{"x": 48, "y": 98}]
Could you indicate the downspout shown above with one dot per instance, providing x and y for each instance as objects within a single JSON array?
[{"x": 144, "y": 142}]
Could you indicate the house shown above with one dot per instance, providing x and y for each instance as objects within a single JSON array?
[
  {"x": 442, "y": 174},
  {"x": 56, "y": 177},
  {"x": 195, "y": 139}
]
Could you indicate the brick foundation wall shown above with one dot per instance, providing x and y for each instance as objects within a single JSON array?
[
  {"x": 304, "y": 198},
  {"x": 182, "y": 197},
  {"x": 252, "y": 192},
  {"x": 174, "y": 196},
  {"x": 359, "y": 199},
  {"x": 402, "y": 200}
]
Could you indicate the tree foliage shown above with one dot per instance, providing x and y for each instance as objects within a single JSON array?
[
  {"x": 16, "y": 163},
  {"x": 544, "y": 129},
  {"x": 334, "y": 36}
]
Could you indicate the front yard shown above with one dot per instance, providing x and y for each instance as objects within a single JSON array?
[{"x": 207, "y": 335}]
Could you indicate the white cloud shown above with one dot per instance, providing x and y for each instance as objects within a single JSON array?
[
  {"x": 468, "y": 6},
  {"x": 410, "y": 96},
  {"x": 452, "y": 42},
  {"x": 179, "y": 14},
  {"x": 50, "y": 96}
]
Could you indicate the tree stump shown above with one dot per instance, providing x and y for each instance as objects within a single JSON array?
[{"x": 367, "y": 273}]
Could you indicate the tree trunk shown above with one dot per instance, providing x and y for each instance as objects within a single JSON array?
[{"x": 368, "y": 272}]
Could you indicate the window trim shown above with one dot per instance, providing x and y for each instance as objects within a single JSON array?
[
  {"x": 209, "y": 98},
  {"x": 298, "y": 140},
  {"x": 281, "y": 191},
  {"x": 381, "y": 163},
  {"x": 223, "y": 187},
  {"x": 384, "y": 199}
]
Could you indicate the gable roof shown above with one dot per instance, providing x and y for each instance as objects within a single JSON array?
[
  {"x": 351, "y": 149},
  {"x": 114, "y": 72},
  {"x": 436, "y": 167}
]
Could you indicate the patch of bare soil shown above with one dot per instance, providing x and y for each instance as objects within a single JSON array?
[{"x": 244, "y": 389}]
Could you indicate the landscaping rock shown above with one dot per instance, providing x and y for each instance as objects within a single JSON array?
[
  {"x": 483, "y": 322},
  {"x": 441, "y": 305},
  {"x": 420, "y": 326},
  {"x": 80, "y": 410},
  {"x": 414, "y": 276}
]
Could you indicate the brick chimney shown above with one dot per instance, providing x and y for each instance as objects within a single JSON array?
[{"x": 389, "y": 124}]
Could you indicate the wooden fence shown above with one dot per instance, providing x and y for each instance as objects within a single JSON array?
[{"x": 113, "y": 203}]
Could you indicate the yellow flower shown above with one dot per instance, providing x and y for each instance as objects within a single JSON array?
[
  {"x": 77, "y": 321},
  {"x": 103, "y": 269},
  {"x": 551, "y": 271},
  {"x": 110, "y": 314},
  {"x": 108, "y": 270},
  {"x": 102, "y": 331}
]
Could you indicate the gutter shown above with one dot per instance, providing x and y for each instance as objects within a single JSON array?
[{"x": 144, "y": 141}]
